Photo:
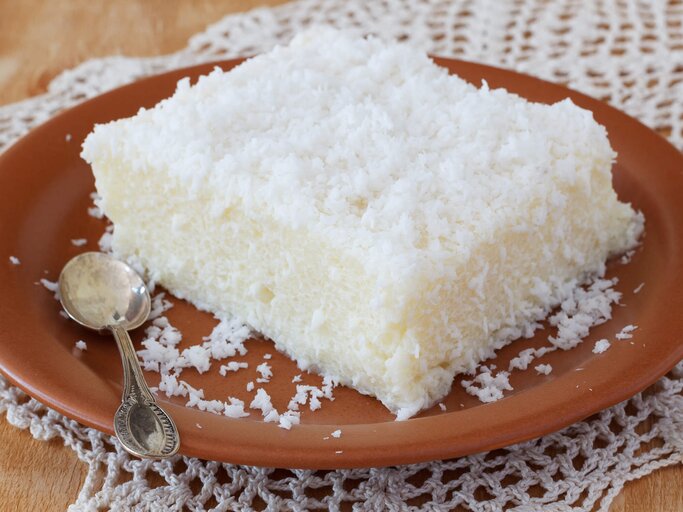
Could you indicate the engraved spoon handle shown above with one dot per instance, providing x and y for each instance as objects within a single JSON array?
[
  {"x": 144, "y": 428},
  {"x": 134, "y": 384}
]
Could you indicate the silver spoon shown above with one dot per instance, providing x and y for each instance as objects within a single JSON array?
[{"x": 103, "y": 293}]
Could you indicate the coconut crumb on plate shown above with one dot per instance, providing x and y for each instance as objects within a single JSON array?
[
  {"x": 81, "y": 345},
  {"x": 487, "y": 387},
  {"x": 14, "y": 260},
  {"x": 263, "y": 403},
  {"x": 79, "y": 242},
  {"x": 626, "y": 332},
  {"x": 232, "y": 366},
  {"x": 235, "y": 408},
  {"x": 543, "y": 369},
  {"x": 601, "y": 346}
]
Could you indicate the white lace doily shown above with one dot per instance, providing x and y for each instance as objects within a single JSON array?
[{"x": 626, "y": 52}]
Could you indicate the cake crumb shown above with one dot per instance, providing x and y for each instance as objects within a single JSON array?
[
  {"x": 601, "y": 346},
  {"x": 250, "y": 386},
  {"x": 296, "y": 378},
  {"x": 336, "y": 434},
  {"x": 625, "y": 333},
  {"x": 79, "y": 242},
  {"x": 81, "y": 345},
  {"x": 14, "y": 260},
  {"x": 543, "y": 369},
  {"x": 442, "y": 406},
  {"x": 67, "y": 137},
  {"x": 267, "y": 356},
  {"x": 638, "y": 288},
  {"x": 198, "y": 425},
  {"x": 339, "y": 451}
]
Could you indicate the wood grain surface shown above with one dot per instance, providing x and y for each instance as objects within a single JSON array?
[{"x": 38, "y": 39}]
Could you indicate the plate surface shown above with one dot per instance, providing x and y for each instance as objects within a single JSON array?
[{"x": 45, "y": 197}]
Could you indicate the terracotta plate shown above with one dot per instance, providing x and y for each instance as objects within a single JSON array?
[{"x": 45, "y": 188}]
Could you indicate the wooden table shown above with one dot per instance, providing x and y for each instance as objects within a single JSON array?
[{"x": 38, "y": 39}]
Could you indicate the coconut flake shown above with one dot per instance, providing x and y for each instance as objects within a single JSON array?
[
  {"x": 263, "y": 403},
  {"x": 601, "y": 346},
  {"x": 235, "y": 408},
  {"x": 232, "y": 366},
  {"x": 52, "y": 286},
  {"x": 266, "y": 373},
  {"x": 625, "y": 333},
  {"x": 289, "y": 418},
  {"x": 487, "y": 387},
  {"x": 584, "y": 309},
  {"x": 543, "y": 369}
]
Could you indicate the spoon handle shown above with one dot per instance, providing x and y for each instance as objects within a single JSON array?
[
  {"x": 134, "y": 385},
  {"x": 144, "y": 428}
]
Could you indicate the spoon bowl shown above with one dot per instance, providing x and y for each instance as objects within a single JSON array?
[{"x": 99, "y": 292}]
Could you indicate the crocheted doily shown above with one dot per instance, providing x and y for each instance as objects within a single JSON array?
[{"x": 625, "y": 52}]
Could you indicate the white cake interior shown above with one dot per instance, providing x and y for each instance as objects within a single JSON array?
[{"x": 381, "y": 221}]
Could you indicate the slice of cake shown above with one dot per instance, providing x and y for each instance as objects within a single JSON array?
[{"x": 382, "y": 221}]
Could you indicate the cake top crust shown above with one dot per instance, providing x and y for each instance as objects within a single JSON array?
[{"x": 366, "y": 143}]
